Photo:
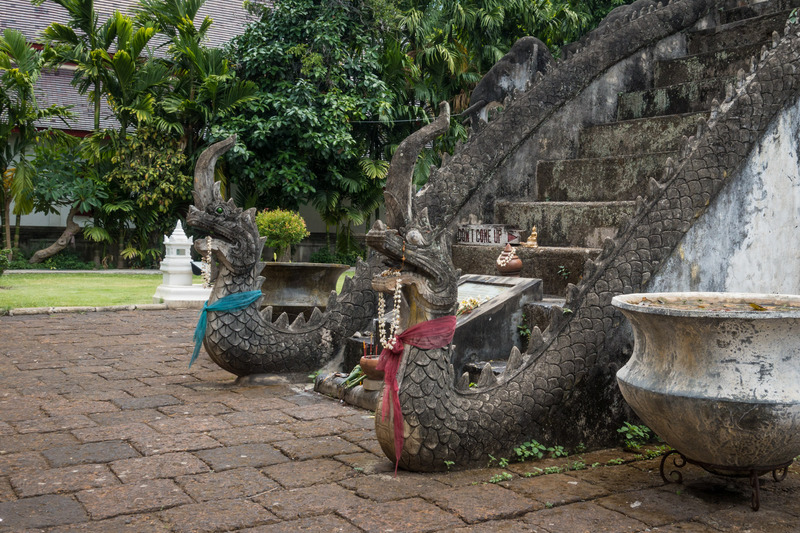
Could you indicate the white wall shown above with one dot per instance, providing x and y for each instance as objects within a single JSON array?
[{"x": 748, "y": 239}]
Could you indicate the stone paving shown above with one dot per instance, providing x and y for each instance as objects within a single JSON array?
[{"x": 104, "y": 428}]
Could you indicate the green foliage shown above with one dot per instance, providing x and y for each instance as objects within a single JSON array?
[
  {"x": 20, "y": 113},
  {"x": 150, "y": 167},
  {"x": 201, "y": 88},
  {"x": 304, "y": 137},
  {"x": 635, "y": 436},
  {"x": 615, "y": 462},
  {"x": 530, "y": 450},
  {"x": 524, "y": 330},
  {"x": 4, "y": 260},
  {"x": 324, "y": 255},
  {"x": 449, "y": 464},
  {"x": 66, "y": 260},
  {"x": 557, "y": 451},
  {"x": 535, "y": 450},
  {"x": 499, "y": 478},
  {"x": 282, "y": 228}
]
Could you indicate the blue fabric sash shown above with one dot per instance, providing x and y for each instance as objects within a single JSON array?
[{"x": 232, "y": 302}]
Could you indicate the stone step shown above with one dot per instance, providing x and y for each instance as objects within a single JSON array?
[
  {"x": 599, "y": 179},
  {"x": 683, "y": 98},
  {"x": 638, "y": 136},
  {"x": 721, "y": 64},
  {"x": 736, "y": 34},
  {"x": 538, "y": 313},
  {"x": 554, "y": 266},
  {"x": 566, "y": 224},
  {"x": 735, "y": 12}
]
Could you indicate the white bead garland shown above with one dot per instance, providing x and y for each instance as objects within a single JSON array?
[
  {"x": 398, "y": 296},
  {"x": 207, "y": 264}
]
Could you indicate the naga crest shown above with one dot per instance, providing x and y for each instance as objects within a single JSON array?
[{"x": 234, "y": 238}]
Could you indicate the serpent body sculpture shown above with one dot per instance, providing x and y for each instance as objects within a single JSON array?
[
  {"x": 542, "y": 393},
  {"x": 247, "y": 341}
]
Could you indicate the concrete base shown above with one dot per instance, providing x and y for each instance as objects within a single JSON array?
[{"x": 186, "y": 296}]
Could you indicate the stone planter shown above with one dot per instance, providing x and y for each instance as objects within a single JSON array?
[
  {"x": 297, "y": 288},
  {"x": 720, "y": 386}
]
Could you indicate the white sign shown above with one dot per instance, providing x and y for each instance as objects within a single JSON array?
[{"x": 487, "y": 234}]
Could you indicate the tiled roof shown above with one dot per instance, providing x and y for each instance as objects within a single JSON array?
[
  {"x": 55, "y": 88},
  {"x": 229, "y": 19},
  {"x": 229, "y": 16}
]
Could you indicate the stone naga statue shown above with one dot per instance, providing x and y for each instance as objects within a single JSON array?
[
  {"x": 247, "y": 341},
  {"x": 444, "y": 420}
]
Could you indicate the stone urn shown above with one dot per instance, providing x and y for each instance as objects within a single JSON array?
[
  {"x": 716, "y": 376},
  {"x": 296, "y": 288}
]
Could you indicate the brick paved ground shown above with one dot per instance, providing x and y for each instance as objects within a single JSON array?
[{"x": 103, "y": 428}]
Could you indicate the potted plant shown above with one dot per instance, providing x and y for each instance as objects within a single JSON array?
[
  {"x": 289, "y": 287},
  {"x": 282, "y": 228}
]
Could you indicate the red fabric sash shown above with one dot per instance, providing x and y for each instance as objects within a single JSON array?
[{"x": 436, "y": 333}]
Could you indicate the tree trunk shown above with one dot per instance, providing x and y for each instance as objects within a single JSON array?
[
  {"x": 71, "y": 230},
  {"x": 17, "y": 227},
  {"x": 120, "y": 248},
  {"x": 7, "y": 220}
]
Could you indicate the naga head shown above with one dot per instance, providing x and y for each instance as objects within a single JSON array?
[
  {"x": 420, "y": 259},
  {"x": 234, "y": 238},
  {"x": 419, "y": 256}
]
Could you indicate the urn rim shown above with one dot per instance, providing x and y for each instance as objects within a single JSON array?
[{"x": 631, "y": 303}]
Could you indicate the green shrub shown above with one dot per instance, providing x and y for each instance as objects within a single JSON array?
[
  {"x": 63, "y": 260},
  {"x": 4, "y": 262},
  {"x": 634, "y": 436},
  {"x": 282, "y": 228},
  {"x": 324, "y": 255}
]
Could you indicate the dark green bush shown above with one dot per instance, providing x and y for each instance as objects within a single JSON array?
[
  {"x": 4, "y": 262},
  {"x": 324, "y": 255},
  {"x": 63, "y": 260}
]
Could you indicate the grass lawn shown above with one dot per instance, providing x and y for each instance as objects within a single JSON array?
[
  {"x": 79, "y": 289},
  {"x": 83, "y": 289}
]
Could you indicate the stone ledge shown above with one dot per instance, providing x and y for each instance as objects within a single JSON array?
[{"x": 21, "y": 311}]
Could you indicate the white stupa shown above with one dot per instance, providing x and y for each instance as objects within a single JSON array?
[{"x": 177, "y": 289}]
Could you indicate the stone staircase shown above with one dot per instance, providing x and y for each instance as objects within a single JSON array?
[{"x": 576, "y": 203}]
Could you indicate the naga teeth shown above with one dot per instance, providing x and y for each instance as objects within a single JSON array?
[
  {"x": 299, "y": 322},
  {"x": 316, "y": 317},
  {"x": 333, "y": 300},
  {"x": 347, "y": 286},
  {"x": 487, "y": 376},
  {"x": 463, "y": 381},
  {"x": 514, "y": 360},
  {"x": 536, "y": 340},
  {"x": 282, "y": 322}
]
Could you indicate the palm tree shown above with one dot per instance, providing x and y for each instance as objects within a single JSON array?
[
  {"x": 131, "y": 79},
  {"x": 202, "y": 86},
  {"x": 20, "y": 113}
]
